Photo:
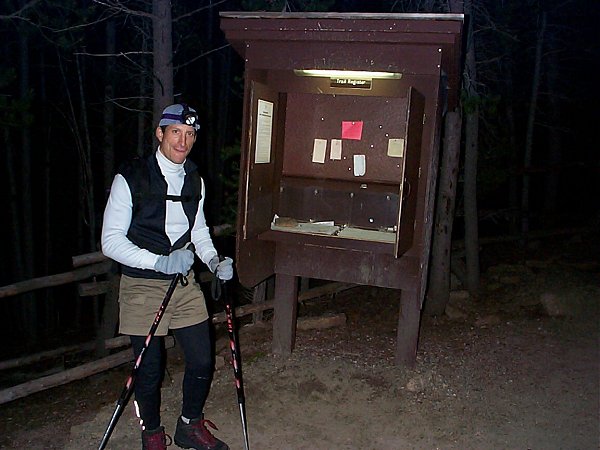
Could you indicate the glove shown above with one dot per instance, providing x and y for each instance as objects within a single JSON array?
[
  {"x": 179, "y": 261},
  {"x": 222, "y": 269}
]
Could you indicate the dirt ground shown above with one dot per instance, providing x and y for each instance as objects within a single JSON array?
[{"x": 518, "y": 368}]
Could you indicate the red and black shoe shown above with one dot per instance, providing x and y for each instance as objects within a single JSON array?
[
  {"x": 195, "y": 435},
  {"x": 155, "y": 439}
]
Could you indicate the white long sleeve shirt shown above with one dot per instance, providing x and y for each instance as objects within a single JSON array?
[{"x": 118, "y": 213}]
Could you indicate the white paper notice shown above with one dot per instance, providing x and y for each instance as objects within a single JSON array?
[
  {"x": 336, "y": 149},
  {"x": 319, "y": 150},
  {"x": 360, "y": 165},
  {"x": 396, "y": 148},
  {"x": 264, "y": 128}
]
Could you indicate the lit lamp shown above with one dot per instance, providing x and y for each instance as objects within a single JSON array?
[{"x": 353, "y": 74}]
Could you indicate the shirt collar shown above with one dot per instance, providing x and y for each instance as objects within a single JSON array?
[{"x": 168, "y": 166}]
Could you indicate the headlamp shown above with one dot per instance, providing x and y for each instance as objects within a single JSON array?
[{"x": 189, "y": 117}]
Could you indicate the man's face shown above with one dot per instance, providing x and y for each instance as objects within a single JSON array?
[{"x": 176, "y": 142}]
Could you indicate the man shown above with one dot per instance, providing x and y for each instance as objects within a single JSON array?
[{"x": 154, "y": 210}]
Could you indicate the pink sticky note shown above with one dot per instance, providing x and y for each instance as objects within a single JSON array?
[{"x": 352, "y": 130}]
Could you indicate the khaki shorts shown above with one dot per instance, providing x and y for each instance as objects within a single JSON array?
[{"x": 140, "y": 299}]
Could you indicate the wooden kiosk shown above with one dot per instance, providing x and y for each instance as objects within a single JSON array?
[{"x": 341, "y": 131}]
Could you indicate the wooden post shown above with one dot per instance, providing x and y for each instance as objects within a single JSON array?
[
  {"x": 285, "y": 311},
  {"x": 408, "y": 329}
]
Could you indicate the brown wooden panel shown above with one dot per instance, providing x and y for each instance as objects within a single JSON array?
[
  {"x": 314, "y": 203},
  {"x": 306, "y": 38},
  {"x": 327, "y": 242},
  {"x": 360, "y": 267},
  {"x": 257, "y": 183},
  {"x": 310, "y": 117},
  {"x": 409, "y": 192},
  {"x": 374, "y": 210},
  {"x": 372, "y": 206},
  {"x": 429, "y": 87},
  {"x": 406, "y": 59}
]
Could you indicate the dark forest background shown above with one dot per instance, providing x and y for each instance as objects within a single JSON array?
[{"x": 77, "y": 94}]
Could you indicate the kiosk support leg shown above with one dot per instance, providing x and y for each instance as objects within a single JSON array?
[
  {"x": 285, "y": 311},
  {"x": 408, "y": 329}
]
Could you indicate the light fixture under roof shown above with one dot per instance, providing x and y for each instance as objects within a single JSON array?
[{"x": 365, "y": 74}]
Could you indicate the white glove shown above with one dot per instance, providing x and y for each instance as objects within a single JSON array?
[
  {"x": 179, "y": 261},
  {"x": 222, "y": 269}
]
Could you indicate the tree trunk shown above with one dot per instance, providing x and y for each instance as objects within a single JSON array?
[
  {"x": 143, "y": 140},
  {"x": 88, "y": 188},
  {"x": 162, "y": 53},
  {"x": 471, "y": 150},
  {"x": 507, "y": 72},
  {"x": 210, "y": 171},
  {"x": 439, "y": 277},
  {"x": 513, "y": 181},
  {"x": 29, "y": 311},
  {"x": 108, "y": 149},
  {"x": 109, "y": 305},
  {"x": 222, "y": 125},
  {"x": 86, "y": 164},
  {"x": 456, "y": 6},
  {"x": 535, "y": 85},
  {"x": 15, "y": 231},
  {"x": 49, "y": 303},
  {"x": 554, "y": 154}
]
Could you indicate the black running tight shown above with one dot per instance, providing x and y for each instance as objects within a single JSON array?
[{"x": 196, "y": 344}]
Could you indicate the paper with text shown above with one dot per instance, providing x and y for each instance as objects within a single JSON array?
[
  {"x": 264, "y": 129},
  {"x": 319, "y": 150},
  {"x": 336, "y": 149}
]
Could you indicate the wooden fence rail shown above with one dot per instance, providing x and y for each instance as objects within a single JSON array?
[
  {"x": 72, "y": 374},
  {"x": 59, "y": 279}
]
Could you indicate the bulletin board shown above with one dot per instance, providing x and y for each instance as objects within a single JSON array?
[{"x": 345, "y": 137}]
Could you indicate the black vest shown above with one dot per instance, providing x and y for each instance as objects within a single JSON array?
[{"x": 149, "y": 195}]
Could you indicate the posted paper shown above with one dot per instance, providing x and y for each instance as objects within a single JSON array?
[
  {"x": 319, "y": 150},
  {"x": 396, "y": 148},
  {"x": 336, "y": 149},
  {"x": 264, "y": 128},
  {"x": 352, "y": 130},
  {"x": 360, "y": 165}
]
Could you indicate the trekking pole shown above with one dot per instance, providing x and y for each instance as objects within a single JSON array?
[
  {"x": 128, "y": 389},
  {"x": 220, "y": 289}
]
